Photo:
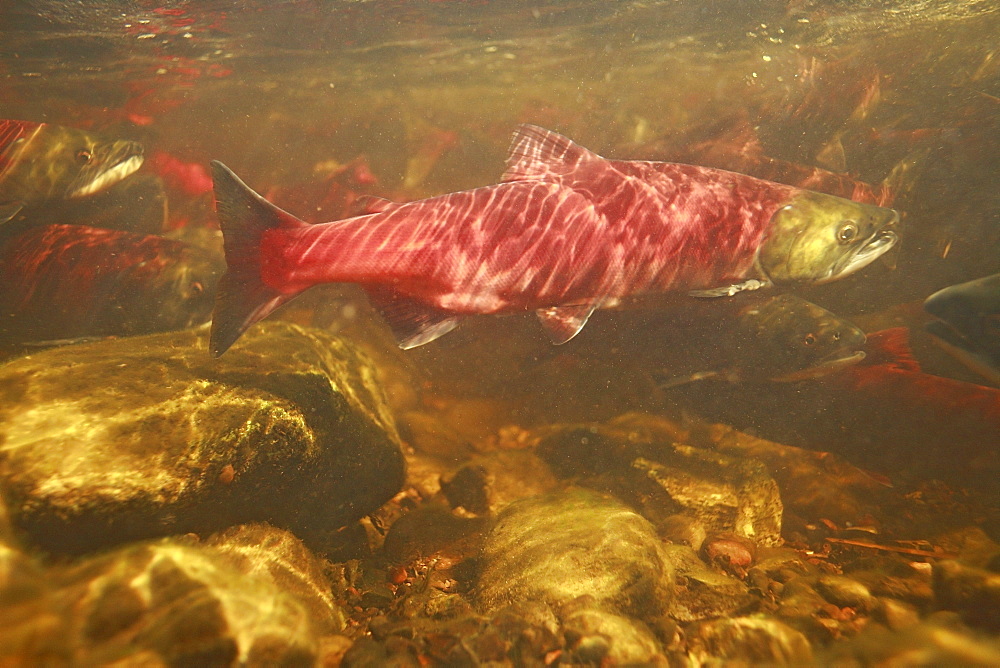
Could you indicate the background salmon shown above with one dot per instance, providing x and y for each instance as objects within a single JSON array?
[
  {"x": 40, "y": 162},
  {"x": 968, "y": 323},
  {"x": 69, "y": 281},
  {"x": 565, "y": 232}
]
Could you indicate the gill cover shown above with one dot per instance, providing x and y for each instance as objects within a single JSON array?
[{"x": 817, "y": 238}]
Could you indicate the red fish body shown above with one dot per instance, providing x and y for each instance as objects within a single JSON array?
[
  {"x": 68, "y": 281},
  {"x": 564, "y": 233}
]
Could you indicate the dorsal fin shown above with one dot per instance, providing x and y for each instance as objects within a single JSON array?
[
  {"x": 371, "y": 204},
  {"x": 536, "y": 153}
]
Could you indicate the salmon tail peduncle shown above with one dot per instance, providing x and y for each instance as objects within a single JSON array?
[{"x": 243, "y": 298}]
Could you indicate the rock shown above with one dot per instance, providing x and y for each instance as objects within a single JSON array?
[
  {"x": 253, "y": 595},
  {"x": 32, "y": 630},
  {"x": 936, "y": 641},
  {"x": 755, "y": 640},
  {"x": 728, "y": 552},
  {"x": 701, "y": 592},
  {"x": 515, "y": 474},
  {"x": 663, "y": 478},
  {"x": 468, "y": 488},
  {"x": 845, "y": 592},
  {"x": 895, "y": 614},
  {"x": 813, "y": 484},
  {"x": 567, "y": 544},
  {"x": 129, "y": 439},
  {"x": 270, "y": 554},
  {"x": 598, "y": 637},
  {"x": 431, "y": 530},
  {"x": 973, "y": 592}
]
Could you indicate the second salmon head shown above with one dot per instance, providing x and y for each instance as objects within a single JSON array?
[
  {"x": 58, "y": 162},
  {"x": 817, "y": 238}
]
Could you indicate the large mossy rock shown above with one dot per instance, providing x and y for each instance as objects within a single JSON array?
[
  {"x": 561, "y": 546},
  {"x": 130, "y": 439},
  {"x": 252, "y": 595}
]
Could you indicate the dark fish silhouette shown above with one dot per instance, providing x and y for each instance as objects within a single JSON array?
[
  {"x": 783, "y": 338},
  {"x": 566, "y": 232},
  {"x": 969, "y": 323}
]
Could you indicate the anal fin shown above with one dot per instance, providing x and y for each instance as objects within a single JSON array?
[
  {"x": 562, "y": 323},
  {"x": 413, "y": 323}
]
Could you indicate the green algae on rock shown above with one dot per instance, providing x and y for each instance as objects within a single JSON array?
[
  {"x": 753, "y": 640},
  {"x": 560, "y": 546},
  {"x": 179, "y": 602},
  {"x": 687, "y": 492},
  {"x": 136, "y": 438}
]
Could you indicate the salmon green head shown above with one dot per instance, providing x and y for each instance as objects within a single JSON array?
[
  {"x": 816, "y": 238},
  {"x": 56, "y": 162}
]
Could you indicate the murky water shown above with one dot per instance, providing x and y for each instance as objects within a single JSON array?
[{"x": 318, "y": 105}]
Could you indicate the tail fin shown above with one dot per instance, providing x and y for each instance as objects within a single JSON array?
[{"x": 242, "y": 297}]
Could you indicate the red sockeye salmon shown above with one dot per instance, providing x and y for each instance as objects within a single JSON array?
[{"x": 565, "y": 232}]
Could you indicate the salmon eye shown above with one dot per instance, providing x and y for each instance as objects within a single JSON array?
[
  {"x": 83, "y": 156},
  {"x": 809, "y": 339},
  {"x": 196, "y": 289},
  {"x": 836, "y": 336},
  {"x": 848, "y": 230}
]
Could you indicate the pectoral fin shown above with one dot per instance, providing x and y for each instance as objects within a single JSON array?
[
  {"x": 669, "y": 383},
  {"x": 730, "y": 290},
  {"x": 8, "y": 210},
  {"x": 562, "y": 323}
]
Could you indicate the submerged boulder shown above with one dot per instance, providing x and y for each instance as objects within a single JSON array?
[
  {"x": 253, "y": 595},
  {"x": 564, "y": 545},
  {"x": 130, "y": 439},
  {"x": 687, "y": 492}
]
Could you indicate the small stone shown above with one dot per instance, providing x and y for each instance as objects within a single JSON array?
[
  {"x": 604, "y": 637},
  {"x": 332, "y": 649},
  {"x": 429, "y": 435},
  {"x": 895, "y": 614},
  {"x": 973, "y": 592},
  {"x": 754, "y": 640},
  {"x": 468, "y": 488},
  {"x": 702, "y": 592},
  {"x": 845, "y": 592},
  {"x": 729, "y": 552},
  {"x": 432, "y": 529}
]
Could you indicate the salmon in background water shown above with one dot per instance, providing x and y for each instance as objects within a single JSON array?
[
  {"x": 41, "y": 162},
  {"x": 69, "y": 281},
  {"x": 566, "y": 232}
]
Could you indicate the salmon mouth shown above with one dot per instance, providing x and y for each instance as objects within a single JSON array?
[
  {"x": 880, "y": 243},
  {"x": 831, "y": 364},
  {"x": 123, "y": 159}
]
